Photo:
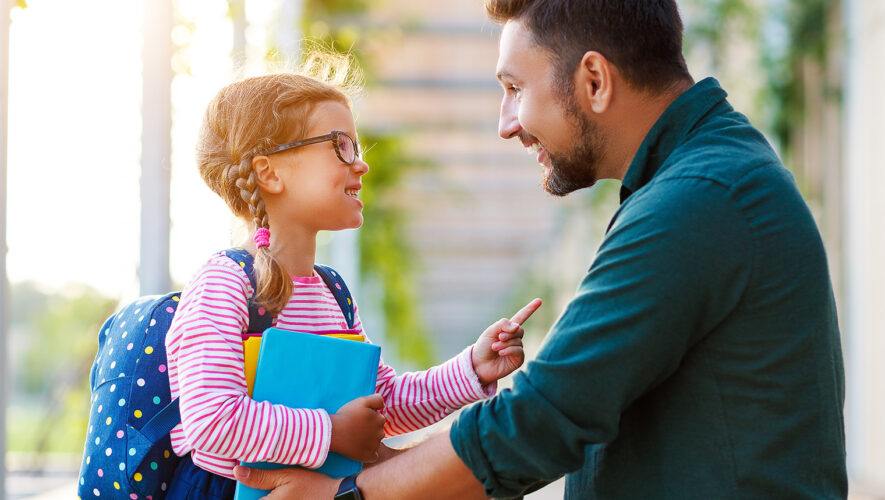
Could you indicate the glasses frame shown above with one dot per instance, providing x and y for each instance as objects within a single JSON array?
[{"x": 332, "y": 136}]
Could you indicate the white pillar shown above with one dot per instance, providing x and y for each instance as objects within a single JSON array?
[
  {"x": 156, "y": 150},
  {"x": 5, "y": 6},
  {"x": 864, "y": 242},
  {"x": 288, "y": 32}
]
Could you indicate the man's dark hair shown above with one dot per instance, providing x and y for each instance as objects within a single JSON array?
[{"x": 642, "y": 38}]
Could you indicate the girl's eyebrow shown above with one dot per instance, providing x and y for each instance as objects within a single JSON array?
[{"x": 504, "y": 75}]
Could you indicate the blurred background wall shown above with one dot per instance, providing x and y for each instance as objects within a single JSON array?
[{"x": 458, "y": 231}]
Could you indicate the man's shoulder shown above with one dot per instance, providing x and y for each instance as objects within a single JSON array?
[
  {"x": 729, "y": 152},
  {"x": 724, "y": 149},
  {"x": 714, "y": 193}
]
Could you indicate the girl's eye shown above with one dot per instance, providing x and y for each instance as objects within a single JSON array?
[{"x": 513, "y": 89}]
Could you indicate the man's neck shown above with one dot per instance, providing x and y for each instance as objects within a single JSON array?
[{"x": 638, "y": 113}]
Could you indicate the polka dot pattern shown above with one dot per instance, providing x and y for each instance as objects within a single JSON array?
[{"x": 130, "y": 386}]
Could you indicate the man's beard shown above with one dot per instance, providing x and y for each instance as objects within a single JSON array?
[{"x": 578, "y": 168}]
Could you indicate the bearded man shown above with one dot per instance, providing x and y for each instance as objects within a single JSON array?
[{"x": 700, "y": 356}]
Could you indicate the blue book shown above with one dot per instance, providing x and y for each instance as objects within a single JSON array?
[{"x": 303, "y": 370}]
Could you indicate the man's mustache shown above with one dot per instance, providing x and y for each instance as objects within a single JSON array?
[{"x": 527, "y": 139}]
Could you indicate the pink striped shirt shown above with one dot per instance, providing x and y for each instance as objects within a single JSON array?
[{"x": 221, "y": 425}]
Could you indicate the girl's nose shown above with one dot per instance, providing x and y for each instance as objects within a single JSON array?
[{"x": 360, "y": 166}]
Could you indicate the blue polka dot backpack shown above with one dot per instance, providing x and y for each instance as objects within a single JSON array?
[{"x": 128, "y": 453}]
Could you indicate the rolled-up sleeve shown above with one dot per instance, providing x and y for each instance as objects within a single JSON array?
[{"x": 673, "y": 265}]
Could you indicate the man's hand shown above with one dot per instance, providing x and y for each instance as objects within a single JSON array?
[
  {"x": 498, "y": 351},
  {"x": 289, "y": 483},
  {"x": 431, "y": 469},
  {"x": 357, "y": 428}
]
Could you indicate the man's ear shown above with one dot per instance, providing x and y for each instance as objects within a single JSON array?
[
  {"x": 268, "y": 180},
  {"x": 594, "y": 80}
]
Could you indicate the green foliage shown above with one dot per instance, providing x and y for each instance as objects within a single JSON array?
[
  {"x": 334, "y": 24},
  {"x": 788, "y": 34},
  {"x": 385, "y": 253},
  {"x": 53, "y": 374},
  {"x": 807, "y": 21},
  {"x": 386, "y": 256},
  {"x": 808, "y": 40},
  {"x": 717, "y": 20},
  {"x": 328, "y": 8}
]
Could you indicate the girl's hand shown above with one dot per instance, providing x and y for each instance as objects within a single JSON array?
[
  {"x": 498, "y": 351},
  {"x": 358, "y": 427}
]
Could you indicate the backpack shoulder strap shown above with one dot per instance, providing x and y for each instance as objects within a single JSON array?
[
  {"x": 259, "y": 319},
  {"x": 163, "y": 422},
  {"x": 339, "y": 289}
]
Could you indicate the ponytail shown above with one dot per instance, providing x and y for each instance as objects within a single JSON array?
[{"x": 272, "y": 280}]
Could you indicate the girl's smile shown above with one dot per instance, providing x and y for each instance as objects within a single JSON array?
[{"x": 314, "y": 178}]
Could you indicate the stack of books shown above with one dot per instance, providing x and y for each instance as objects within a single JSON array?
[{"x": 306, "y": 370}]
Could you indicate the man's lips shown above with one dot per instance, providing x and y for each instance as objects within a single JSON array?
[{"x": 535, "y": 148}]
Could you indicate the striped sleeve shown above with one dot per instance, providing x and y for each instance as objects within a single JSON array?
[
  {"x": 220, "y": 423},
  {"x": 415, "y": 400}
]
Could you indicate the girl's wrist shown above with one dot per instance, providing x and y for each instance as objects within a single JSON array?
[
  {"x": 335, "y": 437},
  {"x": 476, "y": 364}
]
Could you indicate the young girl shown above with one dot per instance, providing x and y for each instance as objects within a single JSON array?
[{"x": 282, "y": 152}]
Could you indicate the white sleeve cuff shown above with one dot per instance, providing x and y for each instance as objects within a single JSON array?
[{"x": 465, "y": 360}]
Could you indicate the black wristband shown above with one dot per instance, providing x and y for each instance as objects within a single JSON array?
[{"x": 347, "y": 490}]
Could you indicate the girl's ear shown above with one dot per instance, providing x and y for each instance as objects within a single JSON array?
[{"x": 268, "y": 180}]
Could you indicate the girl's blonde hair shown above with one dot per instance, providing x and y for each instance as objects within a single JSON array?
[{"x": 254, "y": 114}]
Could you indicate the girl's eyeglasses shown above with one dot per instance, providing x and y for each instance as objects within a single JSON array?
[{"x": 345, "y": 147}]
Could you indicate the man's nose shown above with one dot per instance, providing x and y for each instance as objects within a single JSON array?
[{"x": 508, "y": 120}]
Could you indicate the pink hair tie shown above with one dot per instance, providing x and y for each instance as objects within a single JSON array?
[{"x": 262, "y": 237}]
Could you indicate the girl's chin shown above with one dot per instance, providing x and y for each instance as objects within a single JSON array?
[{"x": 353, "y": 221}]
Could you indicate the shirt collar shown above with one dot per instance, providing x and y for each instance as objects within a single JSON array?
[{"x": 669, "y": 132}]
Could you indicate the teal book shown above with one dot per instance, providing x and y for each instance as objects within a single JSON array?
[{"x": 303, "y": 370}]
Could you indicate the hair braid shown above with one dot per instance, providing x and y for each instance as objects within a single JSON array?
[
  {"x": 247, "y": 183},
  {"x": 271, "y": 278}
]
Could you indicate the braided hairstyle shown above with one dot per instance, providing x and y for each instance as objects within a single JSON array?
[{"x": 254, "y": 114}]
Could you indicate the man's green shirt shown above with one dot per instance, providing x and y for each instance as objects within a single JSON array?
[{"x": 700, "y": 356}]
